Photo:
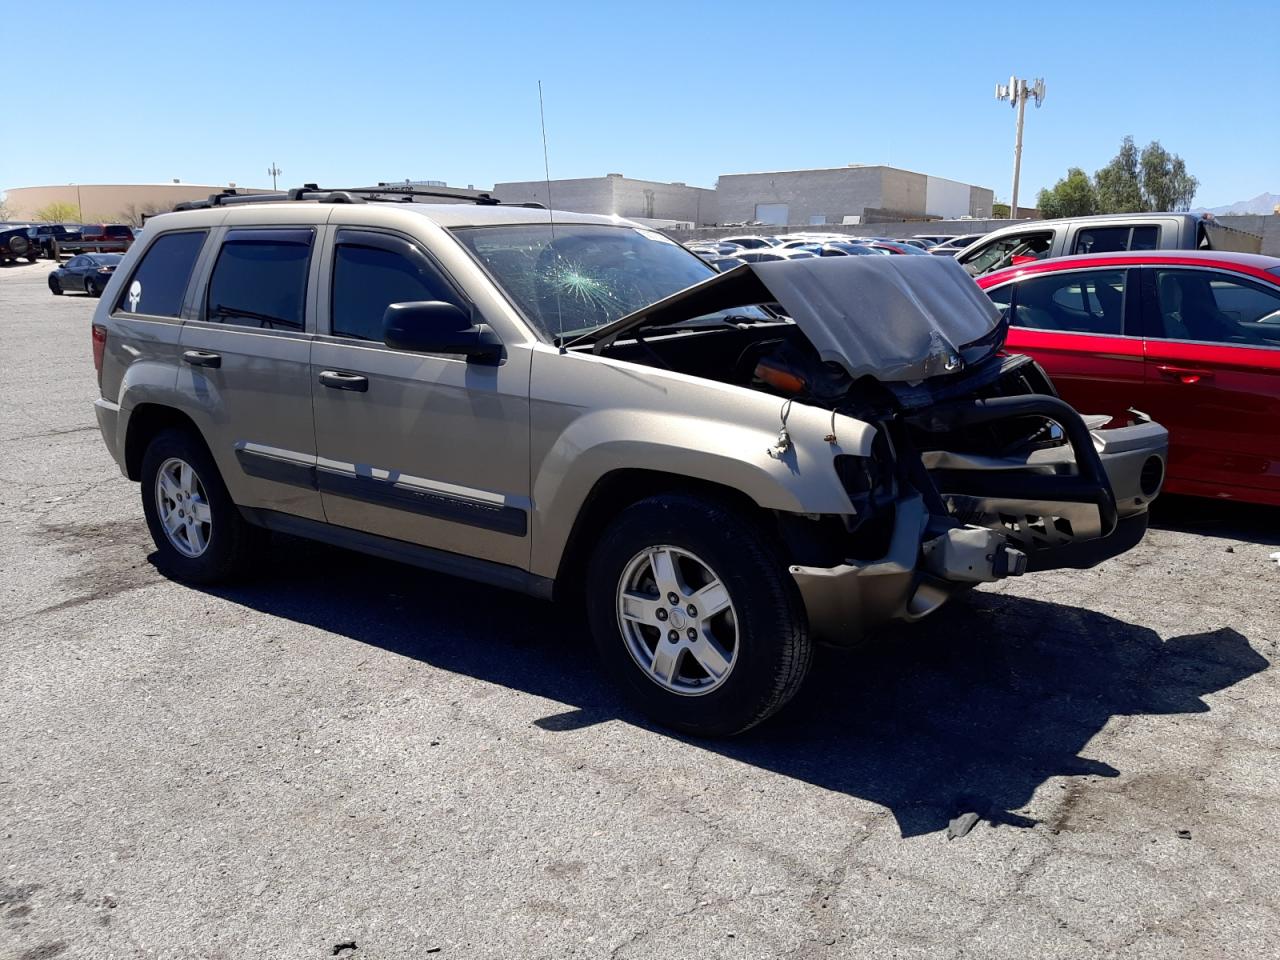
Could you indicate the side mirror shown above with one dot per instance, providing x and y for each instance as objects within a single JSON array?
[{"x": 433, "y": 326}]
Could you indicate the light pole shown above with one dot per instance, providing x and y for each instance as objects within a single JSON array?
[
  {"x": 273, "y": 171},
  {"x": 1017, "y": 93}
]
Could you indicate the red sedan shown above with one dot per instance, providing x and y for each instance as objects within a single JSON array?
[{"x": 1190, "y": 338}]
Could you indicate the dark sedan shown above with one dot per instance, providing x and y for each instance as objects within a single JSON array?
[{"x": 88, "y": 272}]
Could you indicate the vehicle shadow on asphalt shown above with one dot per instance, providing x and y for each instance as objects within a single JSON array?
[
  {"x": 972, "y": 709},
  {"x": 1249, "y": 522}
]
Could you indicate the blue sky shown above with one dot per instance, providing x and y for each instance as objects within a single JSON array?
[{"x": 342, "y": 94}]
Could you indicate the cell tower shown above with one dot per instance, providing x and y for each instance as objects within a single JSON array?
[{"x": 1017, "y": 93}]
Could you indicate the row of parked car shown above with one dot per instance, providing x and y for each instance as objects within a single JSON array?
[
  {"x": 1170, "y": 316},
  {"x": 729, "y": 252},
  {"x": 54, "y": 241}
]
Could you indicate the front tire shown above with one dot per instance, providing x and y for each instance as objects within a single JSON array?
[
  {"x": 199, "y": 533},
  {"x": 695, "y": 616},
  {"x": 55, "y": 287}
]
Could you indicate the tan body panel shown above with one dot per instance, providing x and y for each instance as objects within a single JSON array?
[{"x": 593, "y": 415}]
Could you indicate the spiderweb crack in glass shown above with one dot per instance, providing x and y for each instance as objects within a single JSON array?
[{"x": 585, "y": 275}]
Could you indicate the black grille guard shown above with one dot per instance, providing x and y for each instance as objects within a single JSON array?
[{"x": 1089, "y": 485}]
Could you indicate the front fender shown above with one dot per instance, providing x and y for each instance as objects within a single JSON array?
[{"x": 739, "y": 454}]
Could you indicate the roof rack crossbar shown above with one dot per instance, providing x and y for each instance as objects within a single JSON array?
[{"x": 312, "y": 192}]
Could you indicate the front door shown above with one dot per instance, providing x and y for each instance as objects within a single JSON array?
[
  {"x": 1081, "y": 326},
  {"x": 1213, "y": 378},
  {"x": 418, "y": 447}
]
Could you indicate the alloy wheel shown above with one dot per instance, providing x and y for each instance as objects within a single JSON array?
[
  {"x": 677, "y": 620},
  {"x": 183, "y": 507}
]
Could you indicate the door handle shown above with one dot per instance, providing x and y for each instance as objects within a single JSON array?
[
  {"x": 1187, "y": 375},
  {"x": 336, "y": 380},
  {"x": 198, "y": 358}
]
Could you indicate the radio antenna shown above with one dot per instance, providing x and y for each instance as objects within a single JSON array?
[{"x": 551, "y": 217}]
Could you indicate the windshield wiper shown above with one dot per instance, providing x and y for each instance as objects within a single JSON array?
[{"x": 223, "y": 312}]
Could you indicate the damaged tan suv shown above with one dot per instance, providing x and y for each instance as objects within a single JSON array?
[{"x": 725, "y": 468}]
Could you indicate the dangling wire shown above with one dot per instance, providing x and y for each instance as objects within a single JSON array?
[{"x": 783, "y": 443}]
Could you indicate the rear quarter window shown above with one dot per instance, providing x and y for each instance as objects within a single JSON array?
[{"x": 159, "y": 281}]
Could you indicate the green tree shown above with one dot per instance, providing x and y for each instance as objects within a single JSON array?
[
  {"x": 6, "y": 212},
  {"x": 1072, "y": 196},
  {"x": 1140, "y": 182},
  {"x": 1166, "y": 185},
  {"x": 1117, "y": 185},
  {"x": 999, "y": 211},
  {"x": 57, "y": 212}
]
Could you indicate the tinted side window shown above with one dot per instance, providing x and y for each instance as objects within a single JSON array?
[
  {"x": 1002, "y": 298},
  {"x": 1116, "y": 239},
  {"x": 1145, "y": 238},
  {"x": 1102, "y": 240},
  {"x": 160, "y": 280},
  {"x": 368, "y": 279},
  {"x": 1086, "y": 302},
  {"x": 1213, "y": 307},
  {"x": 260, "y": 279}
]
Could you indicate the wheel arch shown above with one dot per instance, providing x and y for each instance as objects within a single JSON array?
[
  {"x": 145, "y": 422},
  {"x": 615, "y": 491}
]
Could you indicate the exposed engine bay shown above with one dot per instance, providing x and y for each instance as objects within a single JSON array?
[{"x": 1006, "y": 476}]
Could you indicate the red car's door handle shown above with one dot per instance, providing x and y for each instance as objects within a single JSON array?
[{"x": 1186, "y": 375}]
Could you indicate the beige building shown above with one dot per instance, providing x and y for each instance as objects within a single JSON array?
[{"x": 108, "y": 202}]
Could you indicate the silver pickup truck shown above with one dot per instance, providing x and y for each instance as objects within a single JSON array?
[
  {"x": 722, "y": 469},
  {"x": 1034, "y": 240}
]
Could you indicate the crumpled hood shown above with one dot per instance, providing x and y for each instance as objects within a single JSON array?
[{"x": 898, "y": 318}]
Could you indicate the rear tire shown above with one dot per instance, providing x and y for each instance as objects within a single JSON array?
[
  {"x": 715, "y": 676},
  {"x": 199, "y": 533},
  {"x": 91, "y": 287}
]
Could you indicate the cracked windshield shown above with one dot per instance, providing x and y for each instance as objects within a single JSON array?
[{"x": 589, "y": 275}]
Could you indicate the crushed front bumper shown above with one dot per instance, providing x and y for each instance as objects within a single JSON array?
[
  {"x": 1073, "y": 505},
  {"x": 843, "y": 602}
]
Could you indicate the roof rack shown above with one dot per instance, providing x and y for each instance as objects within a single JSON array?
[{"x": 383, "y": 192}]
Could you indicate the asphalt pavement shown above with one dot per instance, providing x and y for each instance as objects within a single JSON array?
[{"x": 357, "y": 759}]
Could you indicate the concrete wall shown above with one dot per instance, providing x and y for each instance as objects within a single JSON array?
[
  {"x": 615, "y": 195},
  {"x": 834, "y": 193},
  {"x": 980, "y": 202},
  {"x": 946, "y": 198},
  {"x": 903, "y": 190},
  {"x": 108, "y": 202},
  {"x": 838, "y": 192},
  {"x": 1266, "y": 226}
]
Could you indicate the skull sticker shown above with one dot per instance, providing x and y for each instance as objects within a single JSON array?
[{"x": 135, "y": 294}]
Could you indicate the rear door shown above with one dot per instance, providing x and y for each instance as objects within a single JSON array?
[
  {"x": 418, "y": 447},
  {"x": 1082, "y": 327},
  {"x": 1213, "y": 379},
  {"x": 246, "y": 366}
]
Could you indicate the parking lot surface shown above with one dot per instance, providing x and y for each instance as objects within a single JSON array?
[{"x": 351, "y": 758}]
